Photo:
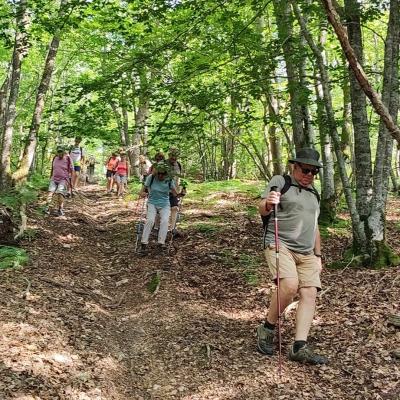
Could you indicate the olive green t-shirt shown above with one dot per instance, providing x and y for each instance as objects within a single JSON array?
[{"x": 297, "y": 217}]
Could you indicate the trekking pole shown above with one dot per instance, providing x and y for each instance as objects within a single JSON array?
[
  {"x": 173, "y": 228},
  {"x": 140, "y": 224},
  {"x": 275, "y": 189}
]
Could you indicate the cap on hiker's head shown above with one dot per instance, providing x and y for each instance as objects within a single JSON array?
[
  {"x": 173, "y": 152},
  {"x": 78, "y": 139},
  {"x": 60, "y": 149},
  {"x": 114, "y": 154},
  {"x": 161, "y": 167},
  {"x": 307, "y": 156},
  {"x": 159, "y": 155}
]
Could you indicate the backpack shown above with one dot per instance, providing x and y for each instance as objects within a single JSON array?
[
  {"x": 152, "y": 180},
  {"x": 288, "y": 183}
]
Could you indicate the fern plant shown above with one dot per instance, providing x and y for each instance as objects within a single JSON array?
[{"x": 12, "y": 257}]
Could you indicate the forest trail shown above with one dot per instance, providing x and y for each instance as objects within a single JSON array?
[{"x": 79, "y": 323}]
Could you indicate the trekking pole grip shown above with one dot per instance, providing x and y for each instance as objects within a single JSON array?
[{"x": 275, "y": 189}]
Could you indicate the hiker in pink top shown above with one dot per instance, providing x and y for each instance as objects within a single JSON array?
[
  {"x": 61, "y": 171},
  {"x": 122, "y": 174}
]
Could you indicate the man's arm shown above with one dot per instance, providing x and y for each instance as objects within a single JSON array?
[
  {"x": 266, "y": 205},
  {"x": 317, "y": 246}
]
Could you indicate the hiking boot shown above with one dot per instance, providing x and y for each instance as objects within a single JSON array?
[
  {"x": 163, "y": 247},
  {"x": 306, "y": 356},
  {"x": 176, "y": 233},
  {"x": 265, "y": 340},
  {"x": 143, "y": 249},
  {"x": 60, "y": 212},
  {"x": 47, "y": 210}
]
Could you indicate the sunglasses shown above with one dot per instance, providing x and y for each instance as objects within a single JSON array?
[{"x": 306, "y": 171}]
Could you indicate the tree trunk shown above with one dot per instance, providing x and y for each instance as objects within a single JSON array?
[
  {"x": 359, "y": 73},
  {"x": 3, "y": 102},
  {"x": 381, "y": 255},
  {"x": 329, "y": 199},
  {"x": 362, "y": 145},
  {"x": 20, "y": 51},
  {"x": 358, "y": 232},
  {"x": 284, "y": 22},
  {"x": 118, "y": 120},
  {"x": 141, "y": 130},
  {"x": 274, "y": 140},
  {"x": 21, "y": 174}
]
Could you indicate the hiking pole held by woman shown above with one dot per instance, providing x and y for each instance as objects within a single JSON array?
[
  {"x": 140, "y": 223},
  {"x": 276, "y": 227}
]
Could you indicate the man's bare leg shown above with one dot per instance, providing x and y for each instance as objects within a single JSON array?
[
  {"x": 287, "y": 290},
  {"x": 305, "y": 312}
]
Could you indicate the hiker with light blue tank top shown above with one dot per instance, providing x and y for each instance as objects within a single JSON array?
[
  {"x": 158, "y": 186},
  {"x": 297, "y": 260}
]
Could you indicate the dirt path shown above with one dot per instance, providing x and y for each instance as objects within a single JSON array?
[{"x": 80, "y": 323}]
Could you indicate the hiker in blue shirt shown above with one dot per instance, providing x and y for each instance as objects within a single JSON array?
[{"x": 159, "y": 185}]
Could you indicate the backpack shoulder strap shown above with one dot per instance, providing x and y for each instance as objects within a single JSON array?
[
  {"x": 180, "y": 167},
  {"x": 52, "y": 166},
  {"x": 151, "y": 180},
  {"x": 315, "y": 192},
  {"x": 288, "y": 183}
]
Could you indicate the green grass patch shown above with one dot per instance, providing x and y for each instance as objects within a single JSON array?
[
  {"x": 252, "y": 211},
  {"x": 154, "y": 282},
  {"x": 247, "y": 264},
  {"x": 206, "y": 228},
  {"x": 200, "y": 191},
  {"x": 12, "y": 257},
  {"x": 341, "y": 227},
  {"x": 30, "y": 234}
]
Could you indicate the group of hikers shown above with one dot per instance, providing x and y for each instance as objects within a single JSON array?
[
  {"x": 294, "y": 263},
  {"x": 292, "y": 244},
  {"x": 160, "y": 183}
]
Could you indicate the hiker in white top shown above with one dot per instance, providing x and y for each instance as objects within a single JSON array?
[{"x": 77, "y": 155}]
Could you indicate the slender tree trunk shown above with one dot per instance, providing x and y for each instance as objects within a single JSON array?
[
  {"x": 4, "y": 89},
  {"x": 358, "y": 232},
  {"x": 118, "y": 120},
  {"x": 20, "y": 51},
  {"x": 362, "y": 145},
  {"x": 284, "y": 21},
  {"x": 274, "y": 140},
  {"x": 347, "y": 132},
  {"x": 329, "y": 197},
  {"x": 141, "y": 130},
  {"x": 380, "y": 252},
  {"x": 21, "y": 174}
]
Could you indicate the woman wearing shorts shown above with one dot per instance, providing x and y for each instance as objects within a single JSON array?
[{"x": 122, "y": 174}]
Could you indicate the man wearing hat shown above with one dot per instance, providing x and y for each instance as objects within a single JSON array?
[
  {"x": 299, "y": 253},
  {"x": 61, "y": 171}
]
